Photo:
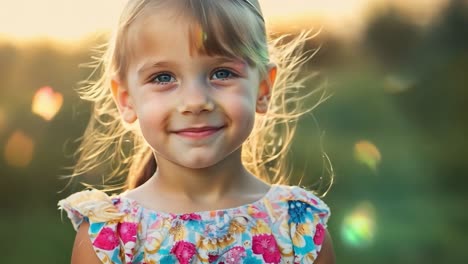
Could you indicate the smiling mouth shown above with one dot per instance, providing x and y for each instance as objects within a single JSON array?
[{"x": 198, "y": 132}]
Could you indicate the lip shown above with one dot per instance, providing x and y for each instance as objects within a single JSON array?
[{"x": 198, "y": 132}]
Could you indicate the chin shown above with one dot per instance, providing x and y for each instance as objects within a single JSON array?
[{"x": 198, "y": 163}]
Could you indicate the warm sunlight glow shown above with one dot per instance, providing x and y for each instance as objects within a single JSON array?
[
  {"x": 46, "y": 103},
  {"x": 66, "y": 20},
  {"x": 312, "y": 7},
  {"x": 69, "y": 20},
  {"x": 19, "y": 150}
]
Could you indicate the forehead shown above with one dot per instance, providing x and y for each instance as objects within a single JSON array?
[
  {"x": 159, "y": 31},
  {"x": 165, "y": 25},
  {"x": 169, "y": 36}
]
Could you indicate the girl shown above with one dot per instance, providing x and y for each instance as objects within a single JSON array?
[{"x": 187, "y": 103}]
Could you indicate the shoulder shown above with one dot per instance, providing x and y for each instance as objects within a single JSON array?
[
  {"x": 306, "y": 220},
  {"x": 91, "y": 206},
  {"x": 104, "y": 225},
  {"x": 301, "y": 203}
]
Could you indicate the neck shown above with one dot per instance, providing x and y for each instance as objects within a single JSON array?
[{"x": 204, "y": 185}]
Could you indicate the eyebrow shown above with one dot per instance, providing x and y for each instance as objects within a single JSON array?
[
  {"x": 165, "y": 64},
  {"x": 157, "y": 64}
]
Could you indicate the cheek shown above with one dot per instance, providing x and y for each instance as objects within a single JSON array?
[
  {"x": 241, "y": 109},
  {"x": 151, "y": 112}
]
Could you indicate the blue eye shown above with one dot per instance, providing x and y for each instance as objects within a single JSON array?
[
  {"x": 223, "y": 74},
  {"x": 163, "y": 78}
]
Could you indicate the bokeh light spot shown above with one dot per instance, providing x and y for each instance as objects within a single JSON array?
[
  {"x": 358, "y": 228},
  {"x": 367, "y": 153},
  {"x": 395, "y": 84},
  {"x": 47, "y": 103},
  {"x": 19, "y": 150}
]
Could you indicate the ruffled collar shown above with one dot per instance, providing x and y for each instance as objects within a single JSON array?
[{"x": 129, "y": 205}]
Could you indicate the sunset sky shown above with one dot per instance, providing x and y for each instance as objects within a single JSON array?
[{"x": 69, "y": 20}]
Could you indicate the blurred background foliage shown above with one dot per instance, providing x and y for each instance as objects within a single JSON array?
[{"x": 395, "y": 131}]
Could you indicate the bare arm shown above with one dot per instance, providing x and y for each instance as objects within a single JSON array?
[
  {"x": 83, "y": 252},
  {"x": 326, "y": 254}
]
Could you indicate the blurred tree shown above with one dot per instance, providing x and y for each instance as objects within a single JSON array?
[
  {"x": 391, "y": 37},
  {"x": 8, "y": 62}
]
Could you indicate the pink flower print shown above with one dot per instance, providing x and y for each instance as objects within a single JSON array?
[
  {"x": 184, "y": 251},
  {"x": 319, "y": 234},
  {"x": 267, "y": 247},
  {"x": 128, "y": 232},
  {"x": 323, "y": 214},
  {"x": 260, "y": 215},
  {"x": 256, "y": 213},
  {"x": 190, "y": 216},
  {"x": 234, "y": 255},
  {"x": 312, "y": 200},
  {"x": 107, "y": 239},
  {"x": 212, "y": 258}
]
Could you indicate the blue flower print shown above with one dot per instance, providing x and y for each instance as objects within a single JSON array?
[
  {"x": 169, "y": 259},
  {"x": 298, "y": 211}
]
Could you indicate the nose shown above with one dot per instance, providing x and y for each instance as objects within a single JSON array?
[{"x": 196, "y": 98}]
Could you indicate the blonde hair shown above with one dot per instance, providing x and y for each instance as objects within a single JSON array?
[{"x": 231, "y": 28}]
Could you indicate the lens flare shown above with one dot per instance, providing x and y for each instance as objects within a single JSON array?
[
  {"x": 46, "y": 103},
  {"x": 19, "y": 150},
  {"x": 367, "y": 153},
  {"x": 358, "y": 228},
  {"x": 198, "y": 37}
]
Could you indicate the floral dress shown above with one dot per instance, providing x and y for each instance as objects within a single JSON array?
[{"x": 286, "y": 226}]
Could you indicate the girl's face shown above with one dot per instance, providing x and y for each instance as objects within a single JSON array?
[{"x": 194, "y": 110}]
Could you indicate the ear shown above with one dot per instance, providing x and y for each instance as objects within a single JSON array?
[
  {"x": 265, "y": 87},
  {"x": 123, "y": 101}
]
